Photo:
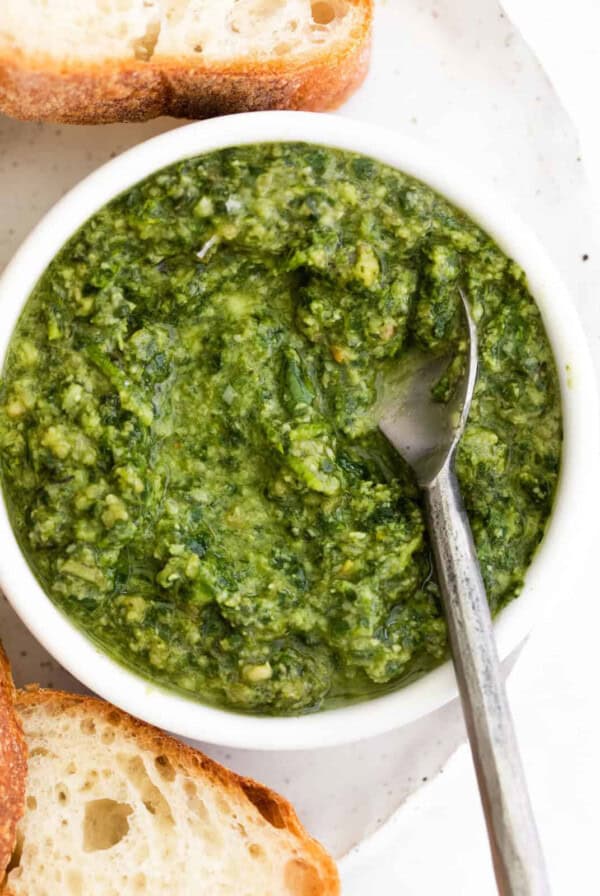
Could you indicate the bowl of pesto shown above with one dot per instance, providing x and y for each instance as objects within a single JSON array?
[{"x": 200, "y": 518}]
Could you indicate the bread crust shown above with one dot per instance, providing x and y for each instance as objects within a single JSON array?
[
  {"x": 13, "y": 765},
  {"x": 44, "y": 89},
  {"x": 273, "y": 807}
]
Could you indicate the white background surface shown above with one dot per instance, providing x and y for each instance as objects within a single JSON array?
[{"x": 454, "y": 73}]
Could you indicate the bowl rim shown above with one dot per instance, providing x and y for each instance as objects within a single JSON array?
[{"x": 573, "y": 502}]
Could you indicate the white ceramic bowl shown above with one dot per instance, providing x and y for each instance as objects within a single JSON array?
[{"x": 572, "y": 513}]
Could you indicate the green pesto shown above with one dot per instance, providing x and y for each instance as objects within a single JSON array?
[{"x": 187, "y": 445}]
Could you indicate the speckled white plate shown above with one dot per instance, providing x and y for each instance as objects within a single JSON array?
[{"x": 456, "y": 74}]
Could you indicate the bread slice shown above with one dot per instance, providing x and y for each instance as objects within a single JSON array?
[
  {"x": 13, "y": 764},
  {"x": 117, "y": 808},
  {"x": 93, "y": 61}
]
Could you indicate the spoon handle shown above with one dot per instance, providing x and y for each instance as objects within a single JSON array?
[{"x": 516, "y": 851}]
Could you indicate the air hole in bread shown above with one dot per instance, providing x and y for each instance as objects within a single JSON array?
[
  {"x": 87, "y": 726},
  {"x": 90, "y": 780},
  {"x": 31, "y": 803},
  {"x": 143, "y": 47},
  {"x": 323, "y": 12},
  {"x": 195, "y": 803},
  {"x": 266, "y": 805},
  {"x": 139, "y": 883},
  {"x": 221, "y": 804},
  {"x": 105, "y": 824},
  {"x": 17, "y": 853},
  {"x": 164, "y": 768},
  {"x": 302, "y": 878},
  {"x": 150, "y": 795},
  {"x": 38, "y": 751},
  {"x": 108, "y": 736},
  {"x": 256, "y": 851},
  {"x": 190, "y": 788},
  {"x": 62, "y": 794},
  {"x": 201, "y": 821},
  {"x": 198, "y": 48}
]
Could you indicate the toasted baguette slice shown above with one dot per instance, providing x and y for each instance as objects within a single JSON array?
[
  {"x": 13, "y": 765},
  {"x": 117, "y": 808},
  {"x": 93, "y": 61}
]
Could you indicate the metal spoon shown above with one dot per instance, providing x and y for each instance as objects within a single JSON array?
[{"x": 426, "y": 434}]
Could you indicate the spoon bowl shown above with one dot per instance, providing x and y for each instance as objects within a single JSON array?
[{"x": 424, "y": 430}]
